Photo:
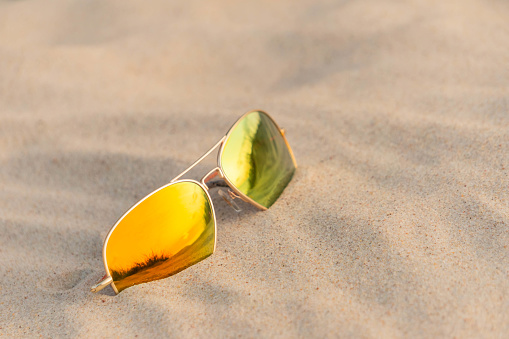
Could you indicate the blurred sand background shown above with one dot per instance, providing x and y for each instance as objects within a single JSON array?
[{"x": 396, "y": 225}]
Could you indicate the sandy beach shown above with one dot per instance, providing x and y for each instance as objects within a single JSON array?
[{"x": 396, "y": 224}]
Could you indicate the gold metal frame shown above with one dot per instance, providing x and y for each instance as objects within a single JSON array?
[{"x": 216, "y": 172}]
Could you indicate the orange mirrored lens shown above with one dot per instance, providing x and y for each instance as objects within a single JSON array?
[
  {"x": 257, "y": 160},
  {"x": 165, "y": 233}
]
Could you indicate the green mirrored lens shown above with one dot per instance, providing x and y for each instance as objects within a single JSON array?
[
  {"x": 165, "y": 233},
  {"x": 257, "y": 160}
]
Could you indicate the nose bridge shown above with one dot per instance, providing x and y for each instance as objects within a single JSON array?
[
  {"x": 215, "y": 178},
  {"x": 211, "y": 178},
  {"x": 200, "y": 159}
]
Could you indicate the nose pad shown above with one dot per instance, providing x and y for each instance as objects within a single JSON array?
[{"x": 229, "y": 197}]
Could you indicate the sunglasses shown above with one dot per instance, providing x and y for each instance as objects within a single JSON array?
[{"x": 174, "y": 227}]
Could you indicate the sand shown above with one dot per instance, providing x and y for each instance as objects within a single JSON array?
[{"x": 395, "y": 225}]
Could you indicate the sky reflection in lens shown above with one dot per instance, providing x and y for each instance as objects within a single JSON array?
[{"x": 167, "y": 232}]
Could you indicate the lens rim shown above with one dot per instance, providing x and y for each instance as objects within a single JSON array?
[
  {"x": 221, "y": 150},
  {"x": 108, "y": 273}
]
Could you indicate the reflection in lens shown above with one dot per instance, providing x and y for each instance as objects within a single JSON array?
[
  {"x": 257, "y": 160},
  {"x": 167, "y": 232}
]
